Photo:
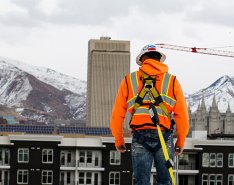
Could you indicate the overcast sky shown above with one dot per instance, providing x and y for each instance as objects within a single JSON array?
[{"x": 55, "y": 33}]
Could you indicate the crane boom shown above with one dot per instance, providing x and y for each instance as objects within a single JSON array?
[{"x": 198, "y": 50}]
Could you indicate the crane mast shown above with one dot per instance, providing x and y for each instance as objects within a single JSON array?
[{"x": 207, "y": 51}]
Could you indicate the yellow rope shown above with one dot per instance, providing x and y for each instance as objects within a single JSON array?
[{"x": 165, "y": 152}]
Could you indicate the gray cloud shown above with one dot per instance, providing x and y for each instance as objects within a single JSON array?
[
  {"x": 212, "y": 12},
  {"x": 27, "y": 15},
  {"x": 103, "y": 12},
  {"x": 85, "y": 12}
]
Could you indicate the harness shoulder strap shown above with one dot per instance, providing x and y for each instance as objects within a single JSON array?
[{"x": 149, "y": 87}]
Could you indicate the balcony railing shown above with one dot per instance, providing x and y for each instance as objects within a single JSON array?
[
  {"x": 71, "y": 163},
  {"x": 91, "y": 163},
  {"x": 77, "y": 183},
  {"x": 189, "y": 166},
  {"x": 67, "y": 183},
  {"x": 87, "y": 163},
  {"x": 4, "y": 163},
  {"x": 92, "y": 182}
]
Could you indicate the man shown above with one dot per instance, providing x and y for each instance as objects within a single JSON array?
[{"x": 146, "y": 146}]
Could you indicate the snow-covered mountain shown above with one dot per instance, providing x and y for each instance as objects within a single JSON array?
[
  {"x": 45, "y": 95},
  {"x": 223, "y": 91},
  {"x": 49, "y": 76},
  {"x": 41, "y": 93}
]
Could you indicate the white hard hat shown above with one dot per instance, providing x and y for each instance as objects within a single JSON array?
[{"x": 149, "y": 48}]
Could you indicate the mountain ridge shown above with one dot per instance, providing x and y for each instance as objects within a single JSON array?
[
  {"x": 222, "y": 89},
  {"x": 42, "y": 94},
  {"x": 45, "y": 95}
]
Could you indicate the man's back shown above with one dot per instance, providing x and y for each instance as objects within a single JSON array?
[{"x": 145, "y": 143}]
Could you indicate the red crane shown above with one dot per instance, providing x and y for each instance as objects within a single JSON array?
[{"x": 198, "y": 50}]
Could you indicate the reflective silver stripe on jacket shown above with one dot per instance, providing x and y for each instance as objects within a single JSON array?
[
  {"x": 144, "y": 110},
  {"x": 134, "y": 83},
  {"x": 165, "y": 83}
]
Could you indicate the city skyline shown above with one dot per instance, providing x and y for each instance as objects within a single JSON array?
[{"x": 55, "y": 34}]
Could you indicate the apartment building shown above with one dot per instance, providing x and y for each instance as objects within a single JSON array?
[{"x": 88, "y": 160}]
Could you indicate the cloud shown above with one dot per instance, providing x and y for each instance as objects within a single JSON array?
[
  {"x": 83, "y": 12},
  {"x": 212, "y": 12},
  {"x": 23, "y": 13},
  {"x": 102, "y": 12}
]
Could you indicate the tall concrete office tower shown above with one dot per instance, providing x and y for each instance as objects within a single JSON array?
[{"x": 108, "y": 63}]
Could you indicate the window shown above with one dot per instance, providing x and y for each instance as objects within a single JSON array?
[
  {"x": 88, "y": 178},
  {"x": 184, "y": 159},
  {"x": 219, "y": 160},
  {"x": 7, "y": 156},
  {"x": 47, "y": 155},
  {"x": 231, "y": 179},
  {"x": 96, "y": 159},
  {"x": 81, "y": 177},
  {"x": 231, "y": 160},
  {"x": 82, "y": 156},
  {"x": 96, "y": 179},
  {"x": 89, "y": 158},
  {"x": 212, "y": 160},
  {"x": 47, "y": 177},
  {"x": 114, "y": 178},
  {"x": 23, "y": 155},
  {"x": 85, "y": 178},
  {"x": 4, "y": 156},
  {"x": 66, "y": 159},
  {"x": 62, "y": 178},
  {"x": 69, "y": 157},
  {"x": 22, "y": 177},
  {"x": 115, "y": 157},
  {"x": 205, "y": 160},
  {"x": 68, "y": 177},
  {"x": 62, "y": 158},
  {"x": 204, "y": 179},
  {"x": 4, "y": 177},
  {"x": 212, "y": 179},
  {"x": 219, "y": 179}
]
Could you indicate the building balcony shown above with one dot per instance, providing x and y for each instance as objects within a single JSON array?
[
  {"x": 189, "y": 166},
  {"x": 90, "y": 164},
  {"x": 3, "y": 163},
  {"x": 90, "y": 182},
  {"x": 67, "y": 183},
  {"x": 71, "y": 163},
  {"x": 84, "y": 165}
]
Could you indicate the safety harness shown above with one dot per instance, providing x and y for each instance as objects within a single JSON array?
[{"x": 155, "y": 99}]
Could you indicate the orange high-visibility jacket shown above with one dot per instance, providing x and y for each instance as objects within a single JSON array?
[{"x": 173, "y": 98}]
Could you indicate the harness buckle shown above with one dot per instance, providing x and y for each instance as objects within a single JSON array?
[{"x": 148, "y": 87}]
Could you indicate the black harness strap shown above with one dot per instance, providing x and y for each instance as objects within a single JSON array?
[
  {"x": 142, "y": 125},
  {"x": 143, "y": 140}
]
